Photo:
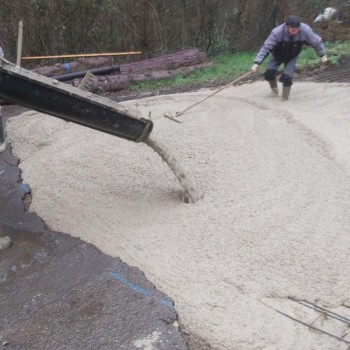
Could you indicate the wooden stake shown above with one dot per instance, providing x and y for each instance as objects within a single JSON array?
[
  {"x": 84, "y": 85},
  {"x": 84, "y": 55},
  {"x": 19, "y": 43}
]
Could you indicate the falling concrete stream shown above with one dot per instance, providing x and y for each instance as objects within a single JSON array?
[{"x": 191, "y": 195}]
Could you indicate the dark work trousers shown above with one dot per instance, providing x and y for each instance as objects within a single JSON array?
[{"x": 289, "y": 67}]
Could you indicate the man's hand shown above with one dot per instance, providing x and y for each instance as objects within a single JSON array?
[
  {"x": 254, "y": 67},
  {"x": 324, "y": 59}
]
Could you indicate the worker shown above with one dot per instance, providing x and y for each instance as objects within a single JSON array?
[{"x": 285, "y": 43}]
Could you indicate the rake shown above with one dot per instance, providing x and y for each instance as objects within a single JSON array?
[{"x": 178, "y": 114}]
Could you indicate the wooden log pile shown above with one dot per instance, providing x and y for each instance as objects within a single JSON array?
[
  {"x": 100, "y": 84},
  {"x": 183, "y": 62},
  {"x": 176, "y": 60}
]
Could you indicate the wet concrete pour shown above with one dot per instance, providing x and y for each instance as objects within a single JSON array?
[{"x": 58, "y": 292}]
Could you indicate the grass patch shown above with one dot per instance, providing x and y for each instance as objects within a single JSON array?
[
  {"x": 228, "y": 67},
  {"x": 335, "y": 50},
  {"x": 225, "y": 68}
]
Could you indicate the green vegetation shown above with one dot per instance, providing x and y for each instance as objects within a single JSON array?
[
  {"x": 225, "y": 68},
  {"x": 334, "y": 51},
  {"x": 228, "y": 67}
]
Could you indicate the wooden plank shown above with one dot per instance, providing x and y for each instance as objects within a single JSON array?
[{"x": 84, "y": 55}]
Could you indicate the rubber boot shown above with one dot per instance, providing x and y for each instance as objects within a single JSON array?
[
  {"x": 285, "y": 93},
  {"x": 273, "y": 86}
]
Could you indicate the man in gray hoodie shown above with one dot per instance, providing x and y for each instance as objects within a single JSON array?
[{"x": 285, "y": 43}]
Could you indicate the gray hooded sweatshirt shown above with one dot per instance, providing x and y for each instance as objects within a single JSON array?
[{"x": 285, "y": 47}]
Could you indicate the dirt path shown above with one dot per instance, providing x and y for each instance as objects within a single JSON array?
[{"x": 273, "y": 222}]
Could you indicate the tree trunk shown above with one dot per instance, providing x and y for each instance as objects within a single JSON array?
[{"x": 183, "y": 58}]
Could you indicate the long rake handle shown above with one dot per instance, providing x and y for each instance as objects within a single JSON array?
[{"x": 216, "y": 92}]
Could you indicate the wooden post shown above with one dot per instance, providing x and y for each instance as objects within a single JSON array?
[
  {"x": 2, "y": 135},
  {"x": 19, "y": 43}
]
